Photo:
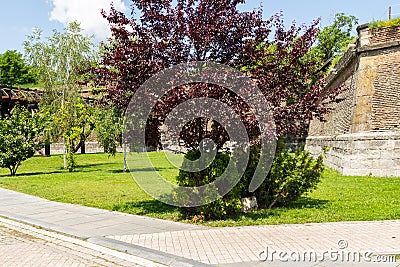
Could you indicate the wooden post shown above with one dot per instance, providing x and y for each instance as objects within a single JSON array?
[{"x": 390, "y": 13}]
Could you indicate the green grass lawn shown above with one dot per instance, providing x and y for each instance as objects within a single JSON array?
[{"x": 100, "y": 182}]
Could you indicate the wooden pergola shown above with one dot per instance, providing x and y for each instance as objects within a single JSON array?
[
  {"x": 24, "y": 96},
  {"x": 30, "y": 98}
]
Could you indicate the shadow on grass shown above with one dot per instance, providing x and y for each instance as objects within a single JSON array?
[
  {"x": 117, "y": 171},
  {"x": 30, "y": 173},
  {"x": 89, "y": 165},
  {"x": 145, "y": 207},
  {"x": 150, "y": 169},
  {"x": 301, "y": 203},
  {"x": 306, "y": 202},
  {"x": 155, "y": 207}
]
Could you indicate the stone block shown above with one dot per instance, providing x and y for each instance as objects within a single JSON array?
[
  {"x": 249, "y": 204},
  {"x": 361, "y": 164},
  {"x": 361, "y": 145},
  {"x": 377, "y": 144},
  {"x": 369, "y": 154},
  {"x": 385, "y": 164},
  {"x": 397, "y": 144}
]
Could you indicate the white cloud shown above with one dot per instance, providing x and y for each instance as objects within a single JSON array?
[{"x": 86, "y": 12}]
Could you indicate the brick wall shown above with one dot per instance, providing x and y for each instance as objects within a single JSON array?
[
  {"x": 384, "y": 35},
  {"x": 372, "y": 76},
  {"x": 386, "y": 98},
  {"x": 339, "y": 121}
]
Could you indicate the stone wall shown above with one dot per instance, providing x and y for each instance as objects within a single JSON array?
[
  {"x": 91, "y": 147},
  {"x": 360, "y": 154},
  {"x": 363, "y": 130}
]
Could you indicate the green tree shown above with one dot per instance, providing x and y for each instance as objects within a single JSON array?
[
  {"x": 21, "y": 134},
  {"x": 59, "y": 60},
  {"x": 333, "y": 40},
  {"x": 73, "y": 120},
  {"x": 14, "y": 70},
  {"x": 109, "y": 128}
]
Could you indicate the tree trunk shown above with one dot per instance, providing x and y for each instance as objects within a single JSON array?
[
  {"x": 273, "y": 203},
  {"x": 47, "y": 150},
  {"x": 83, "y": 147}
]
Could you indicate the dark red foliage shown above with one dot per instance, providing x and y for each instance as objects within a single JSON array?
[{"x": 207, "y": 30}]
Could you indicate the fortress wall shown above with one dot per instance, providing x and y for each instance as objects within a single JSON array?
[{"x": 363, "y": 131}]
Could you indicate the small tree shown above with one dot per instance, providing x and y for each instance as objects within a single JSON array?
[
  {"x": 14, "y": 70},
  {"x": 73, "y": 120},
  {"x": 109, "y": 128},
  {"x": 21, "y": 134}
]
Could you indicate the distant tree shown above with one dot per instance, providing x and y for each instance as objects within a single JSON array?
[
  {"x": 21, "y": 134},
  {"x": 334, "y": 39},
  {"x": 14, "y": 70},
  {"x": 58, "y": 60},
  {"x": 109, "y": 127}
]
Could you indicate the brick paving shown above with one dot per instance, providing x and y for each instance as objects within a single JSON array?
[
  {"x": 244, "y": 244},
  {"x": 23, "y": 245}
]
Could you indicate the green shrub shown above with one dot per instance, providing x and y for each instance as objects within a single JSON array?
[
  {"x": 223, "y": 207},
  {"x": 21, "y": 134},
  {"x": 382, "y": 23},
  {"x": 292, "y": 174}
]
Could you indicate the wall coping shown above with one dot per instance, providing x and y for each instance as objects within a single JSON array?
[{"x": 379, "y": 135}]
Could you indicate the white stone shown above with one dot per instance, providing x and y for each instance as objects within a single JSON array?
[{"x": 249, "y": 204}]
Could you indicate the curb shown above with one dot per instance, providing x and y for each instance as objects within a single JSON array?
[{"x": 146, "y": 253}]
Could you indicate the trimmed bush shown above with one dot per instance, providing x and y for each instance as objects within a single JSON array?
[{"x": 292, "y": 174}]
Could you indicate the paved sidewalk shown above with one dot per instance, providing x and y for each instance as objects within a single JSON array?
[
  {"x": 178, "y": 244},
  {"x": 82, "y": 221},
  {"x": 24, "y": 245},
  {"x": 245, "y": 244},
  {"x": 91, "y": 224}
]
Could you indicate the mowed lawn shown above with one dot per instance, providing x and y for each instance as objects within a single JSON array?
[{"x": 99, "y": 181}]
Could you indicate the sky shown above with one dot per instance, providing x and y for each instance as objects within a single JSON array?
[{"x": 19, "y": 17}]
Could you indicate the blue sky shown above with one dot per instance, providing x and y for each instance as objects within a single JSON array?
[{"x": 19, "y": 17}]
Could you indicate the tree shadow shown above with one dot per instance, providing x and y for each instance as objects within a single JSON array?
[
  {"x": 301, "y": 203},
  {"x": 138, "y": 170},
  {"x": 19, "y": 174},
  {"x": 117, "y": 171},
  {"x": 145, "y": 207},
  {"x": 94, "y": 165},
  {"x": 155, "y": 207},
  {"x": 306, "y": 202},
  {"x": 150, "y": 169}
]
